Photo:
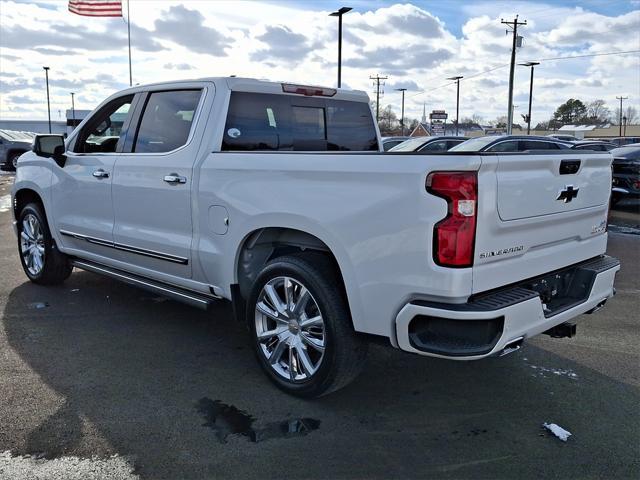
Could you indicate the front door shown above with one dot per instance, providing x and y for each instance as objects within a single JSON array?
[
  {"x": 152, "y": 185},
  {"x": 81, "y": 190}
]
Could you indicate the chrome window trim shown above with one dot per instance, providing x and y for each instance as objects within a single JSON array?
[{"x": 127, "y": 248}]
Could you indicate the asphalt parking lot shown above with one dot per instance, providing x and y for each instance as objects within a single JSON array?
[{"x": 102, "y": 380}]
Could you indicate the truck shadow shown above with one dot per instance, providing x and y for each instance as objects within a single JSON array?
[{"x": 128, "y": 370}]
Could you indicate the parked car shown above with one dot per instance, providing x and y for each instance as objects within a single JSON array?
[
  {"x": 12, "y": 145},
  {"x": 563, "y": 137},
  {"x": 275, "y": 197},
  {"x": 428, "y": 144},
  {"x": 626, "y": 173},
  {"x": 389, "y": 142},
  {"x": 510, "y": 143},
  {"x": 593, "y": 145},
  {"x": 621, "y": 141}
]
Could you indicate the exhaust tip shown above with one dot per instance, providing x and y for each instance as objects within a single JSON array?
[{"x": 512, "y": 346}]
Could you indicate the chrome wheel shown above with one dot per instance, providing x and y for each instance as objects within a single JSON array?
[
  {"x": 14, "y": 162},
  {"x": 290, "y": 329},
  {"x": 32, "y": 244}
]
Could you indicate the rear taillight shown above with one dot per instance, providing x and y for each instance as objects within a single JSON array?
[{"x": 454, "y": 236}]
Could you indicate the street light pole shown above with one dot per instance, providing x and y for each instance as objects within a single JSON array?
[
  {"x": 46, "y": 73},
  {"x": 532, "y": 65},
  {"x": 73, "y": 111},
  {"x": 339, "y": 13},
  {"x": 457, "y": 80},
  {"x": 402, "y": 117}
]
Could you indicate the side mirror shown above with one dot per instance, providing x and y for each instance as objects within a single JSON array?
[{"x": 50, "y": 146}]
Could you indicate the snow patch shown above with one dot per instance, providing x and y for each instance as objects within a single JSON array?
[
  {"x": 31, "y": 467},
  {"x": 5, "y": 203},
  {"x": 542, "y": 372},
  {"x": 557, "y": 430}
]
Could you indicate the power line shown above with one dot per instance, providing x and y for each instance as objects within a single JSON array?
[{"x": 468, "y": 77}]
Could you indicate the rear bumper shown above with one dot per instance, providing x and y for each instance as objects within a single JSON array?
[{"x": 488, "y": 324}]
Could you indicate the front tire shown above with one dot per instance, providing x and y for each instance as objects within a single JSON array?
[
  {"x": 301, "y": 326},
  {"x": 40, "y": 259}
]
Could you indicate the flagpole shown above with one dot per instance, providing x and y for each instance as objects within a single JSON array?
[{"x": 129, "y": 36}]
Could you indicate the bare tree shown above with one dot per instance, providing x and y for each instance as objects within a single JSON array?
[
  {"x": 597, "y": 112},
  {"x": 630, "y": 112}
]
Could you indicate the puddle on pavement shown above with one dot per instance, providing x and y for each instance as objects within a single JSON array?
[
  {"x": 227, "y": 420},
  {"x": 37, "y": 305}
]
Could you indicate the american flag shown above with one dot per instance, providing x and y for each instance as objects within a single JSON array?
[{"x": 96, "y": 8}]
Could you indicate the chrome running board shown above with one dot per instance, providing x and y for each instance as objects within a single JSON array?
[{"x": 195, "y": 299}]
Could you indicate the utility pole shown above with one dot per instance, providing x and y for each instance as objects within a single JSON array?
[
  {"x": 457, "y": 80},
  {"x": 514, "y": 27},
  {"x": 46, "y": 73},
  {"x": 620, "y": 122},
  {"x": 339, "y": 14},
  {"x": 532, "y": 65},
  {"x": 402, "y": 117},
  {"x": 73, "y": 111},
  {"x": 377, "y": 79}
]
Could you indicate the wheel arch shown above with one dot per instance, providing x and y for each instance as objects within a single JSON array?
[
  {"x": 23, "y": 197},
  {"x": 262, "y": 245}
]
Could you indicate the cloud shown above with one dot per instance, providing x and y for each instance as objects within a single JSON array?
[
  {"x": 188, "y": 28},
  {"x": 410, "y": 85},
  {"x": 283, "y": 44},
  {"x": 398, "y": 58},
  {"x": 24, "y": 99},
  {"x": 68, "y": 37},
  {"x": 178, "y": 66},
  {"x": 490, "y": 82},
  {"x": 405, "y": 19}
]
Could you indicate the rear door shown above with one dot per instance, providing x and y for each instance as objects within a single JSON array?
[{"x": 152, "y": 183}]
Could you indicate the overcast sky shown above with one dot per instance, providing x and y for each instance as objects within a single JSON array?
[{"x": 417, "y": 45}]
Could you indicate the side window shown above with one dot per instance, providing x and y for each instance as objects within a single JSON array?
[
  {"x": 104, "y": 131},
  {"x": 166, "y": 121},
  {"x": 507, "y": 146},
  {"x": 538, "y": 145},
  {"x": 437, "y": 146},
  {"x": 453, "y": 143}
]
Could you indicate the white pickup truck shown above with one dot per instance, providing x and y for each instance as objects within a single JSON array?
[{"x": 277, "y": 198}]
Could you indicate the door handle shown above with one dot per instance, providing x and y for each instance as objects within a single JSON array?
[
  {"x": 174, "y": 178},
  {"x": 100, "y": 173}
]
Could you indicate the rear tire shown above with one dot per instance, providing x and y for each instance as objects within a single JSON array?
[
  {"x": 13, "y": 160},
  {"x": 41, "y": 260},
  {"x": 301, "y": 326}
]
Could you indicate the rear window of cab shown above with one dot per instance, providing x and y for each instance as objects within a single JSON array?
[{"x": 267, "y": 122}]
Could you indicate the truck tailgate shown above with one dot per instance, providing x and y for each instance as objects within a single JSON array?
[{"x": 538, "y": 213}]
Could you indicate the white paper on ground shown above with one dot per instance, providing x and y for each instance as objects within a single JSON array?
[{"x": 557, "y": 430}]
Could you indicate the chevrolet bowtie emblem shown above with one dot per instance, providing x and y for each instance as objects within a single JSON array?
[{"x": 568, "y": 193}]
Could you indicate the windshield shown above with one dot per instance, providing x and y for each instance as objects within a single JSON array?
[
  {"x": 630, "y": 153},
  {"x": 409, "y": 145},
  {"x": 474, "y": 144}
]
